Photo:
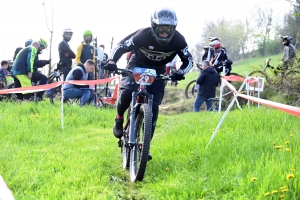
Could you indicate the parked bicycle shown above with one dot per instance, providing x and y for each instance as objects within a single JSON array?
[
  {"x": 135, "y": 143},
  {"x": 275, "y": 72},
  {"x": 192, "y": 88}
]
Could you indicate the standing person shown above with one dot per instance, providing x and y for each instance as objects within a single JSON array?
[
  {"x": 289, "y": 52},
  {"x": 36, "y": 75},
  {"x": 102, "y": 73},
  {"x": 154, "y": 47},
  {"x": 208, "y": 81},
  {"x": 23, "y": 68},
  {"x": 220, "y": 57},
  {"x": 65, "y": 53},
  {"x": 80, "y": 72},
  {"x": 208, "y": 54},
  {"x": 85, "y": 51}
]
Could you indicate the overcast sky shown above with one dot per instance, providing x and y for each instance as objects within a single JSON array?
[{"x": 24, "y": 19}]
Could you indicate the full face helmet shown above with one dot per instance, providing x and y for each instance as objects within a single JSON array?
[
  {"x": 216, "y": 44},
  {"x": 163, "y": 25}
]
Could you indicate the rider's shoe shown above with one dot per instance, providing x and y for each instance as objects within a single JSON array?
[{"x": 118, "y": 127}]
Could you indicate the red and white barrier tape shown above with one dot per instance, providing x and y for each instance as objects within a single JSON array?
[{"x": 45, "y": 87}]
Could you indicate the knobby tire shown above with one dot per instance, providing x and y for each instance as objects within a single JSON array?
[
  {"x": 189, "y": 89},
  {"x": 139, "y": 152}
]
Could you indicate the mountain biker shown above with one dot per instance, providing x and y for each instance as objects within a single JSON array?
[
  {"x": 154, "y": 47},
  {"x": 85, "y": 51},
  {"x": 80, "y": 72},
  {"x": 289, "y": 52},
  {"x": 37, "y": 76},
  {"x": 208, "y": 81},
  {"x": 220, "y": 57},
  {"x": 65, "y": 53},
  {"x": 23, "y": 68}
]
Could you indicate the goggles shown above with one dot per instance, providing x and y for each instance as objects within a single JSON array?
[{"x": 164, "y": 29}]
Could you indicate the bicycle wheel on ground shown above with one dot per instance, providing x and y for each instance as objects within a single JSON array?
[
  {"x": 189, "y": 90},
  {"x": 139, "y": 152},
  {"x": 125, "y": 146}
]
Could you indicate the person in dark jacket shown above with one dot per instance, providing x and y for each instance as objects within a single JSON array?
[
  {"x": 208, "y": 81},
  {"x": 23, "y": 67},
  {"x": 65, "y": 53}
]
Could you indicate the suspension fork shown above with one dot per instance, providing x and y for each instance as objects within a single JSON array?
[{"x": 132, "y": 119}]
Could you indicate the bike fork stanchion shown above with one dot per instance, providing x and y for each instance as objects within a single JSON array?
[{"x": 132, "y": 119}]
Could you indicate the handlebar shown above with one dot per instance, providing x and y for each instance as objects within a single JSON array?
[{"x": 126, "y": 72}]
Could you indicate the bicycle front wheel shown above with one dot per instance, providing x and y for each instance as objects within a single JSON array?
[
  {"x": 189, "y": 90},
  {"x": 139, "y": 152}
]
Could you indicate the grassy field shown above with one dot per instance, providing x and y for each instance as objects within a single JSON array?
[{"x": 254, "y": 156}]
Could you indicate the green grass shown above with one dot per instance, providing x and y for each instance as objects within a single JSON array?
[{"x": 39, "y": 160}]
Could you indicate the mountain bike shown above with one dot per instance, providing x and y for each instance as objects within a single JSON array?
[
  {"x": 275, "y": 72},
  {"x": 135, "y": 143},
  {"x": 191, "y": 89}
]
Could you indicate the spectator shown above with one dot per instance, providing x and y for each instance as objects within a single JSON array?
[
  {"x": 80, "y": 72},
  {"x": 10, "y": 64},
  {"x": 37, "y": 76},
  {"x": 27, "y": 43},
  {"x": 289, "y": 52},
  {"x": 85, "y": 51},
  {"x": 208, "y": 81},
  {"x": 65, "y": 53},
  {"x": 208, "y": 54},
  {"x": 23, "y": 68},
  {"x": 103, "y": 73},
  {"x": 3, "y": 73}
]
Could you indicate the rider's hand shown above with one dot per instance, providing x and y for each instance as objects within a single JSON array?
[
  {"x": 110, "y": 66},
  {"x": 178, "y": 75}
]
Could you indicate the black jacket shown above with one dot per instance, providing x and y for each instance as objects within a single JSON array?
[
  {"x": 208, "y": 81},
  {"x": 150, "y": 54},
  {"x": 65, "y": 55}
]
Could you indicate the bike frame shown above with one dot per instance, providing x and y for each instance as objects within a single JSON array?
[{"x": 138, "y": 98}]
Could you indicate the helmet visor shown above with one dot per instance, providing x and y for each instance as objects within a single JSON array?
[{"x": 161, "y": 29}]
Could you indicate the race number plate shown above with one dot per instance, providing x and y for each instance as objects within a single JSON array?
[{"x": 144, "y": 76}]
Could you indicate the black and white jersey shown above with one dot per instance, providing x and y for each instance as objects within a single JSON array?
[{"x": 150, "y": 54}]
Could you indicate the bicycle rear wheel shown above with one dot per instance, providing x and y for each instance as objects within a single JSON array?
[
  {"x": 189, "y": 90},
  {"x": 139, "y": 152}
]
